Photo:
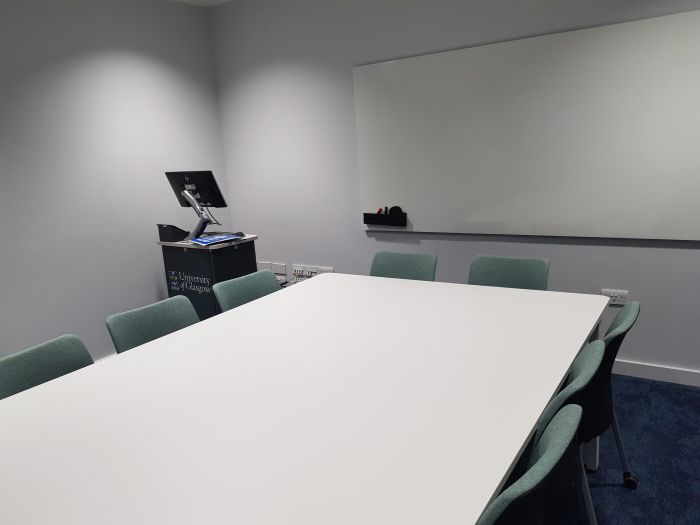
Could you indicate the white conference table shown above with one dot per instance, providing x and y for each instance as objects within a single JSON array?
[{"x": 343, "y": 400}]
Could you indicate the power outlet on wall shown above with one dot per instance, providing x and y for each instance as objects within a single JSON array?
[
  {"x": 264, "y": 265},
  {"x": 617, "y": 297},
  {"x": 279, "y": 268},
  {"x": 301, "y": 272}
]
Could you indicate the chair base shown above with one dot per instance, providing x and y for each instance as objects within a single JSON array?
[
  {"x": 590, "y": 451},
  {"x": 630, "y": 480},
  {"x": 591, "y": 518}
]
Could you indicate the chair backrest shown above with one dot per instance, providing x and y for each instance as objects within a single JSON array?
[
  {"x": 574, "y": 390},
  {"x": 139, "y": 326},
  {"x": 42, "y": 363},
  {"x": 623, "y": 322},
  {"x": 235, "y": 292},
  {"x": 549, "y": 451},
  {"x": 509, "y": 272},
  {"x": 599, "y": 395},
  {"x": 416, "y": 266},
  {"x": 584, "y": 368}
]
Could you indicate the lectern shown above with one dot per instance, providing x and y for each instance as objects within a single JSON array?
[{"x": 192, "y": 270}]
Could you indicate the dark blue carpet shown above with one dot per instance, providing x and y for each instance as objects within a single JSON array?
[{"x": 660, "y": 427}]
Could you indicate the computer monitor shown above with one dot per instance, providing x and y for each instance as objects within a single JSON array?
[
  {"x": 199, "y": 190},
  {"x": 201, "y": 185}
]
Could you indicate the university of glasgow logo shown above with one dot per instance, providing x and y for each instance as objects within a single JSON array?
[
  {"x": 174, "y": 281},
  {"x": 186, "y": 283}
]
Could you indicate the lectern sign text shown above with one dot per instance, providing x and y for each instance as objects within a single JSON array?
[{"x": 182, "y": 281}]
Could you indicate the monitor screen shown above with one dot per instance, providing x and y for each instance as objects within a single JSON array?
[{"x": 201, "y": 184}]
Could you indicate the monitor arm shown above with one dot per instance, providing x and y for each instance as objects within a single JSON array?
[{"x": 204, "y": 219}]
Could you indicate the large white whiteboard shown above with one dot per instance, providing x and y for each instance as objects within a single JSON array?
[{"x": 593, "y": 133}]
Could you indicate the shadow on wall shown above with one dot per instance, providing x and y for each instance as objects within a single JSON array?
[{"x": 412, "y": 237}]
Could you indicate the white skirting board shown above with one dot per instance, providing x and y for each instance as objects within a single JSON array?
[{"x": 671, "y": 374}]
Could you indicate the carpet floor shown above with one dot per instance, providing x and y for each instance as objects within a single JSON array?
[{"x": 660, "y": 427}]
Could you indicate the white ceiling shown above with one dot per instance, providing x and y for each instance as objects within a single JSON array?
[{"x": 203, "y": 3}]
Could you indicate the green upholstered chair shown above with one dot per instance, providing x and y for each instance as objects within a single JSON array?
[
  {"x": 574, "y": 389},
  {"x": 417, "y": 266},
  {"x": 598, "y": 401},
  {"x": 509, "y": 272},
  {"x": 42, "y": 363},
  {"x": 235, "y": 292},
  {"x": 525, "y": 500},
  {"x": 139, "y": 326}
]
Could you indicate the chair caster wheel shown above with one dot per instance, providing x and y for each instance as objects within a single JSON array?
[{"x": 630, "y": 480}]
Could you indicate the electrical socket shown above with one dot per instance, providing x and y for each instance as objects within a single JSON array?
[
  {"x": 264, "y": 265},
  {"x": 298, "y": 273},
  {"x": 279, "y": 268},
  {"x": 617, "y": 297},
  {"x": 301, "y": 272}
]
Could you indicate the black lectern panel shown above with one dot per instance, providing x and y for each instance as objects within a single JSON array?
[{"x": 192, "y": 271}]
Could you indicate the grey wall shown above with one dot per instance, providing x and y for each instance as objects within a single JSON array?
[
  {"x": 285, "y": 86},
  {"x": 97, "y": 99}
]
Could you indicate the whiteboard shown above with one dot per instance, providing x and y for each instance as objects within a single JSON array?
[{"x": 590, "y": 133}]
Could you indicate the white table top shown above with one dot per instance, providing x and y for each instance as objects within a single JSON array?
[{"x": 343, "y": 400}]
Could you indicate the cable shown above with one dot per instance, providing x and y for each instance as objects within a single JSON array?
[{"x": 215, "y": 220}]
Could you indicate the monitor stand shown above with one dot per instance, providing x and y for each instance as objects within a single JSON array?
[{"x": 204, "y": 219}]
